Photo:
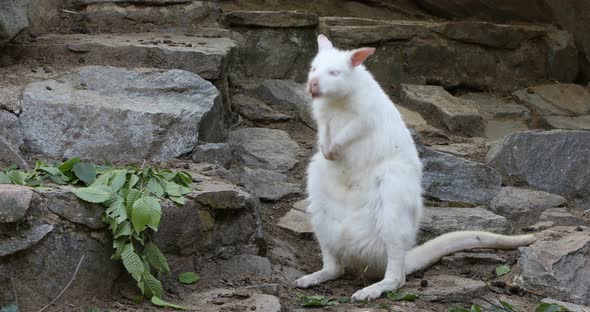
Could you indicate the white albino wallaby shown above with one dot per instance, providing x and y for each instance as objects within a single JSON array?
[{"x": 364, "y": 185}]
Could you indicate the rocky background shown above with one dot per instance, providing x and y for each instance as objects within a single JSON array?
[{"x": 495, "y": 91}]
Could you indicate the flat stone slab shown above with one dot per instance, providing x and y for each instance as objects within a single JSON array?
[
  {"x": 273, "y": 19},
  {"x": 256, "y": 110},
  {"x": 446, "y": 288},
  {"x": 512, "y": 201},
  {"x": 24, "y": 239},
  {"x": 556, "y": 99},
  {"x": 498, "y": 108},
  {"x": 100, "y": 112},
  {"x": 220, "y": 300},
  {"x": 441, "y": 108},
  {"x": 266, "y": 148},
  {"x": 220, "y": 195},
  {"x": 571, "y": 123},
  {"x": 268, "y": 184},
  {"x": 439, "y": 220},
  {"x": 296, "y": 222},
  {"x": 206, "y": 57}
]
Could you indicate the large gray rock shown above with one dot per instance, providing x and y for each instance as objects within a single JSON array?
[
  {"x": 442, "y": 109},
  {"x": 14, "y": 202},
  {"x": 42, "y": 270},
  {"x": 268, "y": 184},
  {"x": 288, "y": 95},
  {"x": 24, "y": 240},
  {"x": 513, "y": 202},
  {"x": 10, "y": 98},
  {"x": 64, "y": 203},
  {"x": 215, "y": 153},
  {"x": 466, "y": 55},
  {"x": 439, "y": 220},
  {"x": 133, "y": 16},
  {"x": 247, "y": 264},
  {"x": 266, "y": 148},
  {"x": 123, "y": 115},
  {"x": 13, "y": 19},
  {"x": 277, "y": 19},
  {"x": 556, "y": 99},
  {"x": 453, "y": 179},
  {"x": 557, "y": 265},
  {"x": 503, "y": 10},
  {"x": 157, "y": 50},
  {"x": 255, "y": 110},
  {"x": 553, "y": 161},
  {"x": 560, "y": 216},
  {"x": 11, "y": 139}
]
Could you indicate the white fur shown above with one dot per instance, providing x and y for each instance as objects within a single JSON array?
[{"x": 364, "y": 185}]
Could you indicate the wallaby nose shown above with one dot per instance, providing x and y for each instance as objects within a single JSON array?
[{"x": 313, "y": 86}]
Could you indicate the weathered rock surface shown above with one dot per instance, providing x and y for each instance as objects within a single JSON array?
[
  {"x": 571, "y": 123},
  {"x": 14, "y": 202},
  {"x": 560, "y": 216},
  {"x": 464, "y": 54},
  {"x": 498, "y": 129},
  {"x": 268, "y": 184},
  {"x": 133, "y": 16},
  {"x": 266, "y": 148},
  {"x": 439, "y": 220},
  {"x": 256, "y": 110},
  {"x": 24, "y": 240},
  {"x": 296, "y": 222},
  {"x": 220, "y": 196},
  {"x": 557, "y": 265},
  {"x": 248, "y": 264},
  {"x": 442, "y": 109},
  {"x": 270, "y": 52},
  {"x": 152, "y": 114},
  {"x": 134, "y": 50},
  {"x": 512, "y": 202},
  {"x": 10, "y": 99},
  {"x": 556, "y": 99},
  {"x": 216, "y": 153},
  {"x": 301, "y": 205},
  {"x": 554, "y": 161},
  {"x": 273, "y": 19},
  {"x": 219, "y": 300},
  {"x": 64, "y": 203},
  {"x": 13, "y": 19},
  {"x": 11, "y": 139},
  {"x": 459, "y": 149},
  {"x": 443, "y": 288},
  {"x": 449, "y": 178},
  {"x": 287, "y": 95},
  {"x": 497, "y": 108}
]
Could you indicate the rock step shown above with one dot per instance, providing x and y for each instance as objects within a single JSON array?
[
  {"x": 206, "y": 57},
  {"x": 468, "y": 53}
]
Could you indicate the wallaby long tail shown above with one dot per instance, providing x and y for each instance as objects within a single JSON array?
[{"x": 433, "y": 250}]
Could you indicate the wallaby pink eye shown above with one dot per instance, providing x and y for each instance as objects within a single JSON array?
[
  {"x": 334, "y": 72},
  {"x": 312, "y": 69}
]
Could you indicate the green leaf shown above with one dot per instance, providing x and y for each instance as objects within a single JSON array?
[
  {"x": 161, "y": 303},
  {"x": 11, "y": 307},
  {"x": 550, "y": 307},
  {"x": 4, "y": 179},
  {"x": 178, "y": 200},
  {"x": 16, "y": 177},
  {"x": 188, "y": 277},
  {"x": 458, "y": 310},
  {"x": 155, "y": 187},
  {"x": 185, "y": 178},
  {"x": 146, "y": 211},
  {"x": 68, "y": 165},
  {"x": 475, "y": 308},
  {"x": 132, "y": 196},
  {"x": 395, "y": 296},
  {"x": 85, "y": 172},
  {"x": 118, "y": 180},
  {"x": 316, "y": 301},
  {"x": 156, "y": 257},
  {"x": 117, "y": 210},
  {"x": 502, "y": 270},
  {"x": 151, "y": 285},
  {"x": 132, "y": 262},
  {"x": 93, "y": 194},
  {"x": 94, "y": 310},
  {"x": 58, "y": 179},
  {"x": 51, "y": 170},
  {"x": 507, "y": 306},
  {"x": 132, "y": 181}
]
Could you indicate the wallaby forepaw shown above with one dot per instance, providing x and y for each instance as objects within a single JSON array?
[
  {"x": 376, "y": 290},
  {"x": 306, "y": 282}
]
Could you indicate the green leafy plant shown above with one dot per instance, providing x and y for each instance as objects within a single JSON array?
[
  {"x": 550, "y": 307},
  {"x": 188, "y": 277},
  {"x": 474, "y": 308},
  {"x": 401, "y": 296},
  {"x": 502, "y": 270},
  {"x": 132, "y": 196},
  {"x": 317, "y": 301}
]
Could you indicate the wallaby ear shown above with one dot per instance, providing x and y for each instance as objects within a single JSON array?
[
  {"x": 360, "y": 55},
  {"x": 324, "y": 43}
]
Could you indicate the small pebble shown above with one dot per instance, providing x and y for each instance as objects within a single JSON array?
[
  {"x": 579, "y": 229},
  {"x": 253, "y": 308},
  {"x": 424, "y": 283},
  {"x": 48, "y": 88},
  {"x": 186, "y": 166},
  {"x": 514, "y": 289}
]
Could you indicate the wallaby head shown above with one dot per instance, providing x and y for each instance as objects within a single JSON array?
[{"x": 334, "y": 71}]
